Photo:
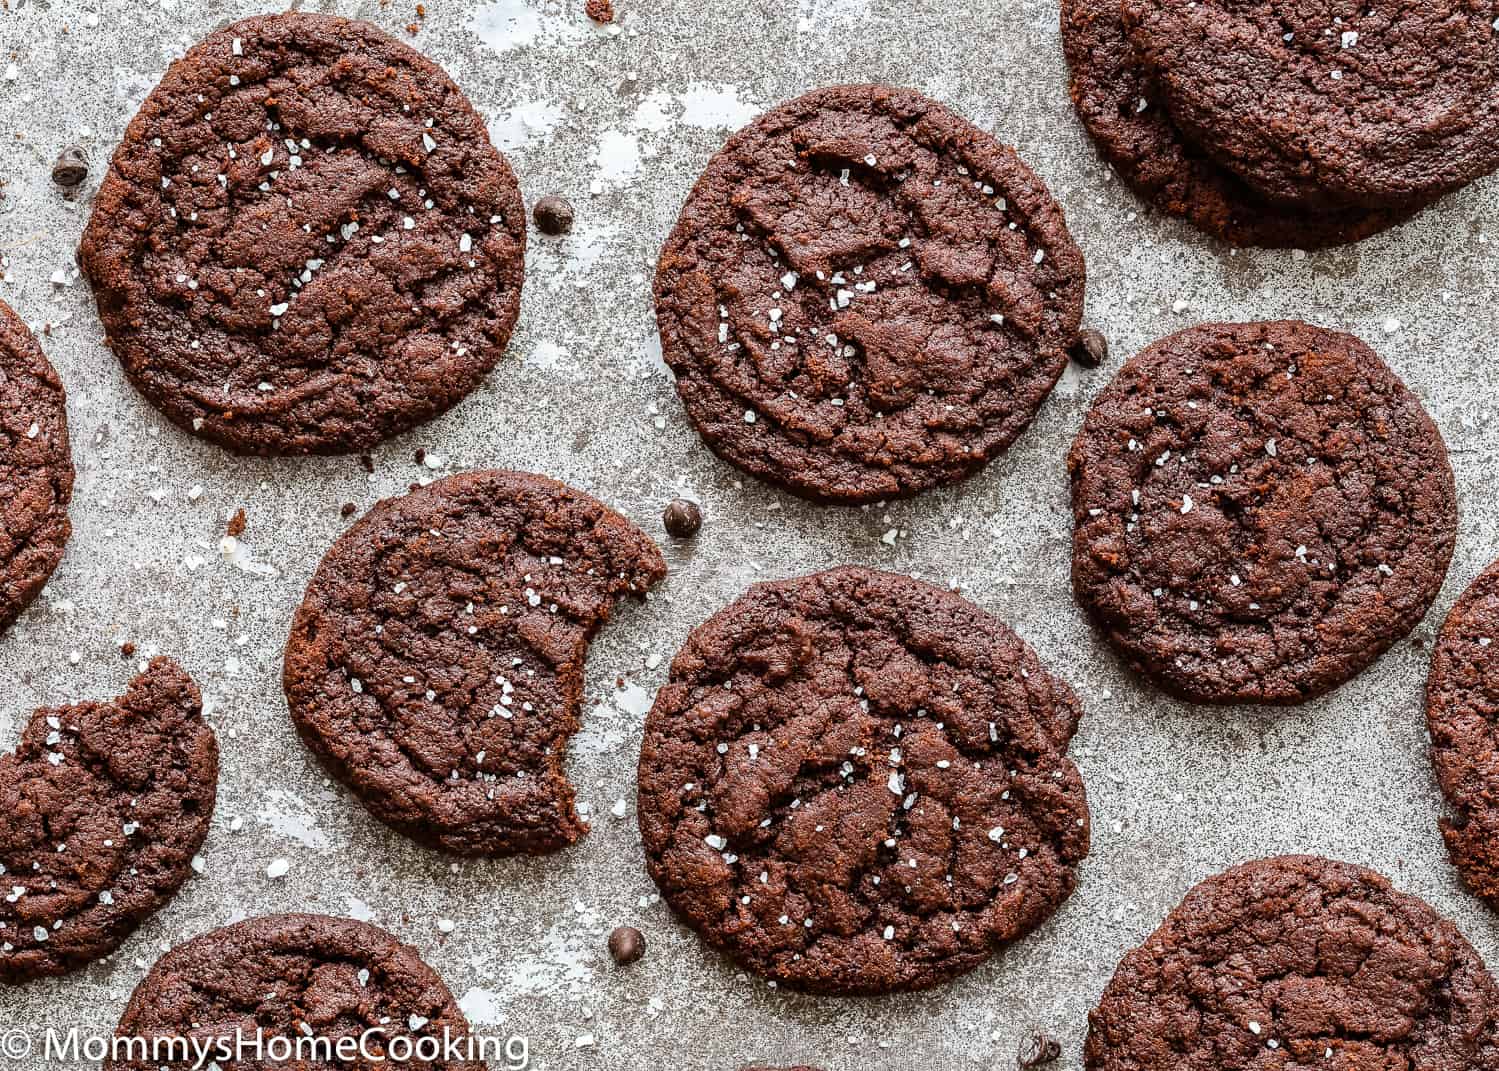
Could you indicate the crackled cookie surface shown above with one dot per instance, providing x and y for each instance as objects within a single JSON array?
[
  {"x": 1462, "y": 713},
  {"x": 435, "y": 665},
  {"x": 305, "y": 242},
  {"x": 102, "y": 808},
  {"x": 866, "y": 296},
  {"x": 853, "y": 783},
  {"x": 1386, "y": 102},
  {"x": 1297, "y": 963},
  {"x": 1259, "y": 511},
  {"x": 36, "y": 468},
  {"x": 290, "y": 976},
  {"x": 1125, "y": 112}
]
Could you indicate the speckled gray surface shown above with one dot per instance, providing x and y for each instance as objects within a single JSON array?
[{"x": 1177, "y": 792}]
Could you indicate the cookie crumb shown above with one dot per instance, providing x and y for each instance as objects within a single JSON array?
[
  {"x": 237, "y": 523},
  {"x": 600, "y": 10}
]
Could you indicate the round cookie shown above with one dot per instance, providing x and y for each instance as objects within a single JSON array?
[
  {"x": 1462, "y": 714},
  {"x": 1298, "y": 962},
  {"x": 102, "y": 808},
  {"x": 1259, "y": 511},
  {"x": 1125, "y": 113},
  {"x": 306, "y": 243},
  {"x": 1379, "y": 104},
  {"x": 852, "y": 784},
  {"x": 435, "y": 665},
  {"x": 36, "y": 468},
  {"x": 311, "y": 977},
  {"x": 866, "y": 296}
]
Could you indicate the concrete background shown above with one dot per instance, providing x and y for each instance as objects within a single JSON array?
[{"x": 1177, "y": 792}]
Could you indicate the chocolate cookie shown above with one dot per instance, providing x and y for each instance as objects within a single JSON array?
[
  {"x": 310, "y": 977},
  {"x": 36, "y": 468},
  {"x": 866, "y": 296},
  {"x": 436, "y": 663},
  {"x": 1125, "y": 113},
  {"x": 306, "y": 243},
  {"x": 1462, "y": 713},
  {"x": 102, "y": 808},
  {"x": 1260, "y": 510},
  {"x": 1298, "y": 962},
  {"x": 852, "y": 783},
  {"x": 1377, "y": 104}
]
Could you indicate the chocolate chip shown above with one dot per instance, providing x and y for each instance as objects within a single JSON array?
[
  {"x": 554, "y": 214},
  {"x": 127, "y": 649},
  {"x": 71, "y": 167},
  {"x": 1091, "y": 348},
  {"x": 682, "y": 518},
  {"x": 1038, "y": 1049},
  {"x": 626, "y": 945},
  {"x": 348, "y": 510}
]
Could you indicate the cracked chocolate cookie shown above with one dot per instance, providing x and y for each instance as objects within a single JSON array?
[
  {"x": 1125, "y": 113},
  {"x": 866, "y": 296},
  {"x": 853, "y": 783},
  {"x": 36, "y": 468},
  {"x": 1298, "y": 962},
  {"x": 320, "y": 980},
  {"x": 435, "y": 665},
  {"x": 1462, "y": 713},
  {"x": 1380, "y": 104},
  {"x": 102, "y": 808},
  {"x": 306, "y": 243},
  {"x": 1259, "y": 511}
]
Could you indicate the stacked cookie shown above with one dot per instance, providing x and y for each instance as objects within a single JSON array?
[{"x": 1271, "y": 123}]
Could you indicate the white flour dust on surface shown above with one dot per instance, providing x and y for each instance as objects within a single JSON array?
[
  {"x": 289, "y": 815},
  {"x": 529, "y": 122},
  {"x": 702, "y": 105},
  {"x": 504, "y": 25}
]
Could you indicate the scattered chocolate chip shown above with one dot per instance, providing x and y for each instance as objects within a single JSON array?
[
  {"x": 420, "y": 457},
  {"x": 600, "y": 10},
  {"x": 367, "y": 462},
  {"x": 553, "y": 214},
  {"x": 348, "y": 510},
  {"x": 1091, "y": 348},
  {"x": 682, "y": 518},
  {"x": 1038, "y": 1049},
  {"x": 626, "y": 945},
  {"x": 127, "y": 649},
  {"x": 236, "y": 526},
  {"x": 71, "y": 167}
]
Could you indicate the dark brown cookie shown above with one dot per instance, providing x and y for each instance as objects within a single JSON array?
[
  {"x": 1462, "y": 713},
  {"x": 305, "y": 242},
  {"x": 1298, "y": 962},
  {"x": 866, "y": 296},
  {"x": 1379, "y": 104},
  {"x": 1125, "y": 113},
  {"x": 1260, "y": 510},
  {"x": 851, "y": 784},
  {"x": 36, "y": 468},
  {"x": 436, "y": 663},
  {"x": 102, "y": 808},
  {"x": 311, "y": 977}
]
